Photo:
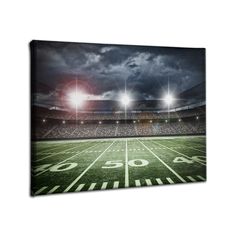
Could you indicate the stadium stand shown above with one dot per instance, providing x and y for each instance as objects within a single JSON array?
[{"x": 53, "y": 124}]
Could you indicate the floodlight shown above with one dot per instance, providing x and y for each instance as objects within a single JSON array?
[
  {"x": 169, "y": 99},
  {"x": 197, "y": 117},
  {"x": 150, "y": 121},
  {"x": 166, "y": 121},
  {"x": 63, "y": 122},
  {"x": 117, "y": 122},
  {"x": 134, "y": 121},
  {"x": 81, "y": 122},
  {"x": 76, "y": 98},
  {"x": 44, "y": 120},
  {"x": 179, "y": 120},
  {"x": 100, "y": 122},
  {"x": 125, "y": 100}
]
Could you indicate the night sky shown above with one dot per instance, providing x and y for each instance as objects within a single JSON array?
[{"x": 103, "y": 70}]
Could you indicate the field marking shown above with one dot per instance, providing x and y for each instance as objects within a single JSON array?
[
  {"x": 170, "y": 180},
  {"x": 179, "y": 153},
  {"x": 168, "y": 167},
  {"x": 191, "y": 178},
  {"x": 48, "y": 149},
  {"x": 197, "y": 149},
  {"x": 61, "y": 152},
  {"x": 104, "y": 185},
  {"x": 159, "y": 181},
  {"x": 67, "y": 159},
  {"x": 79, "y": 187},
  {"x": 137, "y": 183},
  {"x": 126, "y": 165},
  {"x": 201, "y": 178},
  {"x": 92, "y": 186},
  {"x": 84, "y": 172},
  {"x": 41, "y": 190},
  {"x": 148, "y": 182},
  {"x": 53, "y": 189},
  {"x": 116, "y": 184}
]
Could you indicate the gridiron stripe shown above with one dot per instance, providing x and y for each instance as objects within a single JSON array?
[
  {"x": 137, "y": 183},
  {"x": 159, "y": 181},
  {"x": 116, "y": 184},
  {"x": 41, "y": 190},
  {"x": 201, "y": 178},
  {"x": 53, "y": 189},
  {"x": 104, "y": 185},
  {"x": 79, "y": 187},
  {"x": 191, "y": 178},
  {"x": 92, "y": 186},
  {"x": 148, "y": 182},
  {"x": 170, "y": 180}
]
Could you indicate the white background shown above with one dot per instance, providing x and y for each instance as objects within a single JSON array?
[{"x": 191, "y": 209}]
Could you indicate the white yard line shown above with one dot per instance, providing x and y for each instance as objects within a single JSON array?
[
  {"x": 48, "y": 149},
  {"x": 126, "y": 165},
  {"x": 197, "y": 149},
  {"x": 84, "y": 172},
  {"x": 67, "y": 159},
  {"x": 168, "y": 167},
  {"x": 179, "y": 153},
  {"x": 56, "y": 153}
]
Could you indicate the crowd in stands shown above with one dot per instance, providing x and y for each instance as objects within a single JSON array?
[
  {"x": 65, "y": 115},
  {"x": 64, "y": 131}
]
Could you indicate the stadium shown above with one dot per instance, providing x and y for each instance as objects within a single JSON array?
[{"x": 84, "y": 140}]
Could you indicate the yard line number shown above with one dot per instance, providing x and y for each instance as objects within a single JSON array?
[
  {"x": 119, "y": 163},
  {"x": 115, "y": 164},
  {"x": 193, "y": 158}
]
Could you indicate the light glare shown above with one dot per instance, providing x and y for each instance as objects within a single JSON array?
[
  {"x": 169, "y": 99},
  {"x": 125, "y": 100}
]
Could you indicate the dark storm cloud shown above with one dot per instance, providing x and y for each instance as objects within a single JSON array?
[{"x": 146, "y": 70}]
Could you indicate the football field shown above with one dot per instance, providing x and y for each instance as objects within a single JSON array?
[{"x": 84, "y": 165}]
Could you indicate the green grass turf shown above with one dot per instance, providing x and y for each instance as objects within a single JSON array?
[{"x": 81, "y": 165}]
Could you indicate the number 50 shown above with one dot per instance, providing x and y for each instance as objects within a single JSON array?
[{"x": 118, "y": 163}]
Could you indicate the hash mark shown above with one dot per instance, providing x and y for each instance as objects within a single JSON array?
[
  {"x": 159, "y": 181},
  {"x": 79, "y": 187},
  {"x": 148, "y": 182},
  {"x": 40, "y": 190},
  {"x": 170, "y": 180},
  {"x": 53, "y": 189},
  {"x": 191, "y": 178},
  {"x": 92, "y": 186},
  {"x": 201, "y": 178},
  {"x": 137, "y": 183},
  {"x": 116, "y": 184}
]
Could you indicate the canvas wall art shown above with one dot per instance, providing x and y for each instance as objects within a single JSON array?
[{"x": 116, "y": 116}]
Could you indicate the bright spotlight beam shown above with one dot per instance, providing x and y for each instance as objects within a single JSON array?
[
  {"x": 76, "y": 99},
  {"x": 125, "y": 100},
  {"x": 169, "y": 99}
]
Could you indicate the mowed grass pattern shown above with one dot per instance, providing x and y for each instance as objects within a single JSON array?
[{"x": 98, "y": 164}]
